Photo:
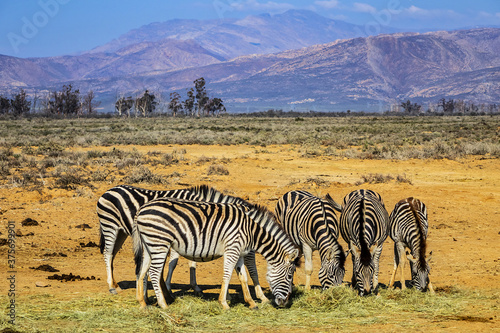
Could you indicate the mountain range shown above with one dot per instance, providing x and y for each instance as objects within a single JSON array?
[{"x": 297, "y": 59}]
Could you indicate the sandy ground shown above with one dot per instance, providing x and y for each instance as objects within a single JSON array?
[{"x": 463, "y": 200}]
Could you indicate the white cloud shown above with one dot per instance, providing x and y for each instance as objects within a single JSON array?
[
  {"x": 415, "y": 11},
  {"x": 254, "y": 5},
  {"x": 329, "y": 4},
  {"x": 364, "y": 8}
]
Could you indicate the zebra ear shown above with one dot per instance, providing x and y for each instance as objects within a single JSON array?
[
  {"x": 347, "y": 253},
  {"x": 292, "y": 255},
  {"x": 410, "y": 257},
  {"x": 330, "y": 254}
]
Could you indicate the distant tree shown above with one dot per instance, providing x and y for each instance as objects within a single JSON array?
[
  {"x": 20, "y": 104},
  {"x": 175, "y": 104},
  {"x": 214, "y": 106},
  {"x": 201, "y": 94},
  {"x": 88, "y": 103},
  {"x": 146, "y": 103},
  {"x": 411, "y": 108},
  {"x": 123, "y": 105},
  {"x": 447, "y": 106},
  {"x": 65, "y": 102},
  {"x": 4, "y": 105},
  {"x": 189, "y": 102}
]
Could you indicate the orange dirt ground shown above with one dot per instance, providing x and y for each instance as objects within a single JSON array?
[{"x": 462, "y": 197}]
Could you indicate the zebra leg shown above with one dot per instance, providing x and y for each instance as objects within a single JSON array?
[
  {"x": 192, "y": 279},
  {"x": 158, "y": 260},
  {"x": 172, "y": 263},
  {"x": 396, "y": 264},
  {"x": 242, "y": 275},
  {"x": 229, "y": 264},
  {"x": 113, "y": 244},
  {"x": 141, "y": 290},
  {"x": 308, "y": 265},
  {"x": 378, "y": 252},
  {"x": 402, "y": 262},
  {"x": 249, "y": 261}
]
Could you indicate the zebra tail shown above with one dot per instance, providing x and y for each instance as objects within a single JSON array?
[
  {"x": 138, "y": 249},
  {"x": 365, "y": 251}
]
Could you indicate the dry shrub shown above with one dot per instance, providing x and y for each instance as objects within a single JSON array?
[
  {"x": 375, "y": 178},
  {"x": 144, "y": 175},
  {"x": 217, "y": 169}
]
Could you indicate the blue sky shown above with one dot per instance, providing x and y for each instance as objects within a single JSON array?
[{"x": 37, "y": 28}]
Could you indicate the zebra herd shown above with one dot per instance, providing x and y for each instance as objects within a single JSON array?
[{"x": 202, "y": 224}]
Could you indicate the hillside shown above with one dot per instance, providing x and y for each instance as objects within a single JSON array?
[
  {"x": 293, "y": 60},
  {"x": 361, "y": 73}
]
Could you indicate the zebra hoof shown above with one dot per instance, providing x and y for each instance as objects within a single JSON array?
[{"x": 113, "y": 291}]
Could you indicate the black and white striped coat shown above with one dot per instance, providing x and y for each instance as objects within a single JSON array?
[
  {"x": 117, "y": 208},
  {"x": 312, "y": 224},
  {"x": 204, "y": 231},
  {"x": 409, "y": 226},
  {"x": 364, "y": 225}
]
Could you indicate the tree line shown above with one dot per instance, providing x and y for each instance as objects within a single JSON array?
[
  {"x": 70, "y": 102},
  {"x": 446, "y": 107},
  {"x": 196, "y": 104},
  {"x": 67, "y": 101}
]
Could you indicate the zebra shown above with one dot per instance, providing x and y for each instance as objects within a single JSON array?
[
  {"x": 204, "y": 231},
  {"x": 116, "y": 210},
  {"x": 312, "y": 224},
  {"x": 364, "y": 226},
  {"x": 408, "y": 228}
]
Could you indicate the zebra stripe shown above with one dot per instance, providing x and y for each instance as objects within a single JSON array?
[
  {"x": 312, "y": 224},
  {"x": 409, "y": 225},
  {"x": 204, "y": 231},
  {"x": 116, "y": 210},
  {"x": 364, "y": 225}
]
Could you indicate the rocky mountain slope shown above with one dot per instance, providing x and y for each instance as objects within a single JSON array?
[{"x": 261, "y": 61}]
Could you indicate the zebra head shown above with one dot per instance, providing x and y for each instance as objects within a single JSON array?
[
  {"x": 420, "y": 271},
  {"x": 332, "y": 269},
  {"x": 364, "y": 269},
  {"x": 280, "y": 277}
]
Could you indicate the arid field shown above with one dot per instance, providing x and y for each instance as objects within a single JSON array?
[{"x": 53, "y": 172}]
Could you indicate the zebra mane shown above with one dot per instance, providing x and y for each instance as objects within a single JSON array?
[
  {"x": 210, "y": 194},
  {"x": 423, "y": 242},
  {"x": 365, "y": 251},
  {"x": 266, "y": 219}
]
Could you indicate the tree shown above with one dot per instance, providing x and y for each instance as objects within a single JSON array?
[
  {"x": 447, "y": 106},
  {"x": 66, "y": 101},
  {"x": 214, "y": 106},
  {"x": 124, "y": 105},
  {"x": 146, "y": 103},
  {"x": 201, "y": 94},
  {"x": 20, "y": 104},
  {"x": 4, "y": 105},
  {"x": 189, "y": 102},
  {"x": 175, "y": 105},
  {"x": 88, "y": 103},
  {"x": 411, "y": 108}
]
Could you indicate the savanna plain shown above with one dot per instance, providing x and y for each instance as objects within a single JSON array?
[{"x": 52, "y": 172}]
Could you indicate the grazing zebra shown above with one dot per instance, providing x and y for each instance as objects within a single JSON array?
[
  {"x": 364, "y": 225},
  {"x": 116, "y": 210},
  {"x": 312, "y": 224},
  {"x": 204, "y": 231},
  {"x": 409, "y": 227}
]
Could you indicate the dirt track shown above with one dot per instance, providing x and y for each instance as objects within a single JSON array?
[{"x": 463, "y": 200}]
